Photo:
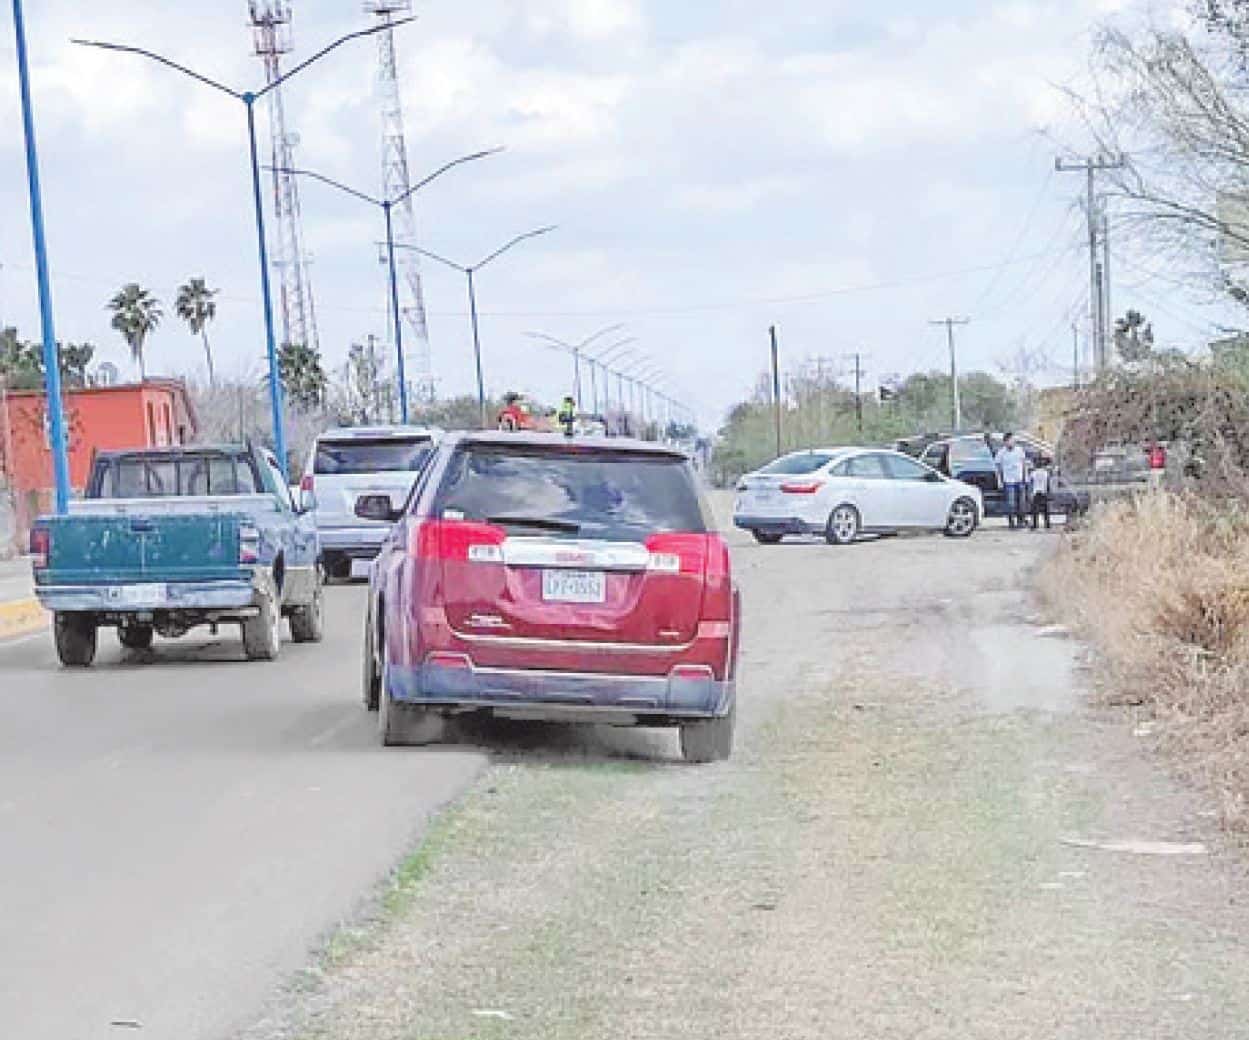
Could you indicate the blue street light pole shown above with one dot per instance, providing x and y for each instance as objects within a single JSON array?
[
  {"x": 387, "y": 207},
  {"x": 249, "y": 99},
  {"x": 51, "y": 354}
]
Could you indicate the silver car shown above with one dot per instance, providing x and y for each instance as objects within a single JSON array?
[{"x": 346, "y": 464}]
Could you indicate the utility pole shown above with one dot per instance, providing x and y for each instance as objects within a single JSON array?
[
  {"x": 1075, "y": 355},
  {"x": 1098, "y": 298},
  {"x": 776, "y": 388},
  {"x": 956, "y": 404},
  {"x": 858, "y": 390}
]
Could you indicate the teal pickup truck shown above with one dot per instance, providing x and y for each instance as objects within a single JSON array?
[{"x": 169, "y": 539}]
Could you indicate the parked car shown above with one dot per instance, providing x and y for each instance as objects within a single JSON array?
[
  {"x": 970, "y": 458},
  {"x": 169, "y": 539},
  {"x": 347, "y": 463},
  {"x": 842, "y": 493},
  {"x": 548, "y": 577}
]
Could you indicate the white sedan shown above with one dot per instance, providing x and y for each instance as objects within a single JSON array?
[{"x": 842, "y": 493}]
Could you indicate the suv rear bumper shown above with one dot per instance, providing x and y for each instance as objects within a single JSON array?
[
  {"x": 456, "y": 683},
  {"x": 360, "y": 542}
]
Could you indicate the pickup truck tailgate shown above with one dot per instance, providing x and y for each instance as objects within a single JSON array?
[{"x": 89, "y": 549}]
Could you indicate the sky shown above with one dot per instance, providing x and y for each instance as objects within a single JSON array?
[{"x": 846, "y": 172}]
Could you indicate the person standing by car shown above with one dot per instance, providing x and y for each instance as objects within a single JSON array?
[
  {"x": 1011, "y": 462},
  {"x": 1039, "y": 485},
  {"x": 568, "y": 416}
]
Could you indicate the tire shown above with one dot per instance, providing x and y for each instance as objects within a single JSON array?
[
  {"x": 308, "y": 622},
  {"x": 262, "y": 634},
  {"x": 371, "y": 680},
  {"x": 709, "y": 740},
  {"x": 402, "y": 725},
  {"x": 963, "y": 520},
  {"x": 76, "y": 639},
  {"x": 766, "y": 538},
  {"x": 135, "y": 637},
  {"x": 844, "y": 525}
]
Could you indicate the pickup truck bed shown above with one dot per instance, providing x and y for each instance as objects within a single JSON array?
[{"x": 168, "y": 563}]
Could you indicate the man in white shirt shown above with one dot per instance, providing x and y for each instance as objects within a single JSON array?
[{"x": 1012, "y": 462}]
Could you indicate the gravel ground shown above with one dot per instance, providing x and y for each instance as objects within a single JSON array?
[{"x": 887, "y": 854}]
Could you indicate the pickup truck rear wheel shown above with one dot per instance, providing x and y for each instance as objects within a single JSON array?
[
  {"x": 75, "y": 639},
  {"x": 262, "y": 636},
  {"x": 308, "y": 622},
  {"x": 135, "y": 637},
  {"x": 709, "y": 740}
]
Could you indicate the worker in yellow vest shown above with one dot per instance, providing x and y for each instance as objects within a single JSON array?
[{"x": 568, "y": 416}]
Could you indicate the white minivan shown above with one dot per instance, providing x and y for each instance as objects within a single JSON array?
[
  {"x": 841, "y": 493},
  {"x": 348, "y": 463}
]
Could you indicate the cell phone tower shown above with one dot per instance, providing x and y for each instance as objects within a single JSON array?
[
  {"x": 396, "y": 181},
  {"x": 271, "y": 29}
]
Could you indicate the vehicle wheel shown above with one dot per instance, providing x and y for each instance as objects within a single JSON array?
[
  {"x": 766, "y": 538},
  {"x": 843, "y": 526},
  {"x": 371, "y": 680},
  {"x": 963, "y": 520},
  {"x": 709, "y": 740},
  {"x": 75, "y": 639},
  {"x": 135, "y": 637},
  {"x": 402, "y": 725},
  {"x": 262, "y": 635},
  {"x": 308, "y": 622}
]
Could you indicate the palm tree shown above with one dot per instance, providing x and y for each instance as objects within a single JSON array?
[
  {"x": 195, "y": 305},
  {"x": 302, "y": 375},
  {"x": 136, "y": 313}
]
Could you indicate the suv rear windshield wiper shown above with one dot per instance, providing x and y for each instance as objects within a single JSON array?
[{"x": 541, "y": 523}]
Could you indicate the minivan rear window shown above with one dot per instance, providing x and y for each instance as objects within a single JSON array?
[
  {"x": 615, "y": 496},
  {"x": 368, "y": 455},
  {"x": 800, "y": 463}
]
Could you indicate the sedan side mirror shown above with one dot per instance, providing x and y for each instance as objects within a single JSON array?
[{"x": 376, "y": 507}]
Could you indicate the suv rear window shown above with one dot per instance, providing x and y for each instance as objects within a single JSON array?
[
  {"x": 795, "y": 465},
  {"x": 139, "y": 476},
  {"x": 614, "y": 496},
  {"x": 372, "y": 455},
  {"x": 966, "y": 451}
]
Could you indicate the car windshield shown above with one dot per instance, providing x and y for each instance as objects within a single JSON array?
[
  {"x": 371, "y": 455},
  {"x": 614, "y": 496},
  {"x": 138, "y": 476},
  {"x": 799, "y": 463}
]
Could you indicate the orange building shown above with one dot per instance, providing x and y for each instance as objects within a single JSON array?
[{"x": 155, "y": 413}]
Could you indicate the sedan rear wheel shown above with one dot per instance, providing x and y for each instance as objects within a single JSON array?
[
  {"x": 843, "y": 526},
  {"x": 963, "y": 520}
]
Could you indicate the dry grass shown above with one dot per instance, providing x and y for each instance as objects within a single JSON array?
[{"x": 1160, "y": 585}]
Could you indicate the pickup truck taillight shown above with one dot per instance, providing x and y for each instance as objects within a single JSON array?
[
  {"x": 40, "y": 547},
  {"x": 249, "y": 544}
]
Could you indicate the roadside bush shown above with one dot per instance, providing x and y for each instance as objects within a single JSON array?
[{"x": 1159, "y": 584}]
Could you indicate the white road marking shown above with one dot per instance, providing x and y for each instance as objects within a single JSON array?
[{"x": 338, "y": 727}]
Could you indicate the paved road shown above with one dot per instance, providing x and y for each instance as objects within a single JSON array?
[{"x": 177, "y": 829}]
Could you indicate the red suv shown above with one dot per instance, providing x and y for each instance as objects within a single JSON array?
[{"x": 534, "y": 576}]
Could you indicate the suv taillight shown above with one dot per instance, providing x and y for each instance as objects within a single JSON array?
[
  {"x": 40, "y": 547},
  {"x": 249, "y": 544},
  {"x": 701, "y": 556},
  {"x": 307, "y": 483},
  {"x": 464, "y": 540}
]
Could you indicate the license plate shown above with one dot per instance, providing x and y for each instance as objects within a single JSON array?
[
  {"x": 360, "y": 568},
  {"x": 574, "y": 586},
  {"x": 153, "y": 595}
]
